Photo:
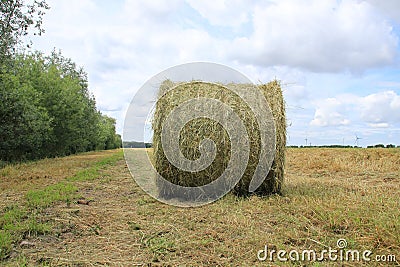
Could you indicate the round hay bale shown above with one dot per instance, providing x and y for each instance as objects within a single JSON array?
[
  {"x": 199, "y": 129},
  {"x": 273, "y": 93}
]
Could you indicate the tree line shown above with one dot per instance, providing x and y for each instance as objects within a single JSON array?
[
  {"x": 46, "y": 109},
  {"x": 135, "y": 144}
]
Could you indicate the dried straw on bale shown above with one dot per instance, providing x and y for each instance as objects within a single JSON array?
[{"x": 197, "y": 130}]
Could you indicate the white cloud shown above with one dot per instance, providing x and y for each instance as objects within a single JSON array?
[
  {"x": 148, "y": 12},
  {"x": 380, "y": 108},
  {"x": 328, "y": 113},
  {"x": 318, "y": 36},
  {"x": 390, "y": 8},
  {"x": 123, "y": 48},
  {"x": 379, "y": 125},
  {"x": 69, "y": 18},
  {"x": 223, "y": 12}
]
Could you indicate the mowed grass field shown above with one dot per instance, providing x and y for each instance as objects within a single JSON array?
[{"x": 86, "y": 210}]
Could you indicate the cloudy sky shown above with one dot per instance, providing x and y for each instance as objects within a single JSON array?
[{"x": 338, "y": 61}]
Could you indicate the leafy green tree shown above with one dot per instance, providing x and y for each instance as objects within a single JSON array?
[
  {"x": 118, "y": 141},
  {"x": 107, "y": 138},
  {"x": 24, "y": 125},
  {"x": 64, "y": 94},
  {"x": 16, "y": 19},
  {"x": 47, "y": 110}
]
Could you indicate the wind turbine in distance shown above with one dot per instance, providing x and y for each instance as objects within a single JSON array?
[{"x": 356, "y": 141}]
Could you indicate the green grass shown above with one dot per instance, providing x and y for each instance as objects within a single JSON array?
[
  {"x": 6, "y": 241},
  {"x": 161, "y": 245},
  {"x": 84, "y": 175},
  {"x": 110, "y": 160},
  {"x": 92, "y": 173},
  {"x": 12, "y": 215},
  {"x": 16, "y": 224},
  {"x": 39, "y": 199}
]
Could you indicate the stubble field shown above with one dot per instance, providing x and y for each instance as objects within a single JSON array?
[{"x": 86, "y": 210}]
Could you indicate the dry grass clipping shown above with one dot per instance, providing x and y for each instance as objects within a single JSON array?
[{"x": 199, "y": 129}]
